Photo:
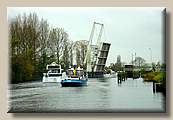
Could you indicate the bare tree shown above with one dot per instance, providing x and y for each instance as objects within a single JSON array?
[
  {"x": 43, "y": 43},
  {"x": 83, "y": 46},
  {"x": 56, "y": 38},
  {"x": 139, "y": 61},
  {"x": 44, "y": 35},
  {"x": 33, "y": 35},
  {"x": 65, "y": 56},
  {"x": 70, "y": 47},
  {"x": 81, "y": 49},
  {"x": 78, "y": 56}
]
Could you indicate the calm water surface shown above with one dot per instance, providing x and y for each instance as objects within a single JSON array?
[{"x": 100, "y": 95}]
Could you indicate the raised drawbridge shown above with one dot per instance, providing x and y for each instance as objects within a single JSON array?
[{"x": 97, "y": 53}]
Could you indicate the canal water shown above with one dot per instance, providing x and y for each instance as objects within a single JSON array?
[{"x": 100, "y": 95}]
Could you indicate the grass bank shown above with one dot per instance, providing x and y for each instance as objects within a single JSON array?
[{"x": 157, "y": 77}]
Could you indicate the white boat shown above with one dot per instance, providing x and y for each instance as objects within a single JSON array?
[{"x": 54, "y": 73}]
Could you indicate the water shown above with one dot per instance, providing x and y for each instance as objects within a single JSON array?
[{"x": 100, "y": 95}]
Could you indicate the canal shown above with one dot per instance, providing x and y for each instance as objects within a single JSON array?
[{"x": 100, "y": 95}]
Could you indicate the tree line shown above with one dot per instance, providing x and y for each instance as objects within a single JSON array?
[
  {"x": 34, "y": 44},
  {"x": 138, "y": 62}
]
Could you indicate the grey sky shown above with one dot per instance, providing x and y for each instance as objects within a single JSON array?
[{"x": 129, "y": 30}]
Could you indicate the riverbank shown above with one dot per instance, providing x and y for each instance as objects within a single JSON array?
[{"x": 158, "y": 79}]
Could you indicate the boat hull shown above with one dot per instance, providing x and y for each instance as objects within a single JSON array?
[
  {"x": 73, "y": 83},
  {"x": 52, "y": 79},
  {"x": 95, "y": 74}
]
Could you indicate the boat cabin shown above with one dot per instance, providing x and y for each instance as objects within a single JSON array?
[
  {"x": 75, "y": 73},
  {"x": 53, "y": 70}
]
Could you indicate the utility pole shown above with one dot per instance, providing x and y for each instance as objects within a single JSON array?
[
  {"x": 135, "y": 58},
  {"x": 132, "y": 58},
  {"x": 151, "y": 55}
]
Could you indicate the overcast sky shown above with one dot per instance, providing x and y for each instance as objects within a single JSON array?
[{"x": 129, "y": 30}]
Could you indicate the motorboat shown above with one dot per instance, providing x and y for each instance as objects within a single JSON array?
[
  {"x": 75, "y": 77},
  {"x": 53, "y": 74}
]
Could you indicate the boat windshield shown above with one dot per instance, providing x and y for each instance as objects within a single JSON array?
[
  {"x": 79, "y": 73},
  {"x": 53, "y": 67},
  {"x": 54, "y": 71}
]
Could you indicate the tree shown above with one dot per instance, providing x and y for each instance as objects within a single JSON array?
[
  {"x": 65, "y": 56},
  {"x": 139, "y": 61},
  {"x": 70, "y": 47},
  {"x": 24, "y": 35},
  {"x": 34, "y": 45},
  {"x": 56, "y": 38},
  {"x": 78, "y": 56},
  {"x": 83, "y": 47},
  {"x": 80, "y": 50},
  {"x": 43, "y": 44},
  {"x": 32, "y": 32}
]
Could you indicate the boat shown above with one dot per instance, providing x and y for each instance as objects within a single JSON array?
[
  {"x": 53, "y": 74},
  {"x": 75, "y": 78}
]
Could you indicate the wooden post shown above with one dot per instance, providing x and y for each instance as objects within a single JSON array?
[{"x": 154, "y": 88}]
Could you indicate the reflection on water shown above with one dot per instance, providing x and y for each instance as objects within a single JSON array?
[{"x": 101, "y": 95}]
